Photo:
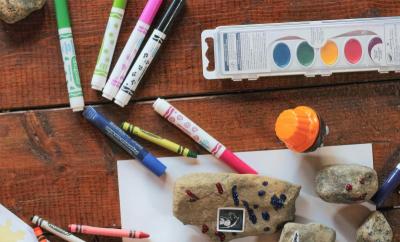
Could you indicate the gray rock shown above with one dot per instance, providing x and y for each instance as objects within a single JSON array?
[
  {"x": 12, "y": 11},
  {"x": 269, "y": 203},
  {"x": 346, "y": 183},
  {"x": 312, "y": 232},
  {"x": 375, "y": 228}
]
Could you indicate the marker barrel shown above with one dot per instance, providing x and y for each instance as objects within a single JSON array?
[
  {"x": 55, "y": 230},
  {"x": 177, "y": 118},
  {"x": 167, "y": 144},
  {"x": 124, "y": 140},
  {"x": 123, "y": 233},
  {"x": 69, "y": 57},
  {"x": 108, "y": 46},
  {"x": 148, "y": 53},
  {"x": 139, "y": 68},
  {"x": 390, "y": 184},
  {"x": 131, "y": 48}
]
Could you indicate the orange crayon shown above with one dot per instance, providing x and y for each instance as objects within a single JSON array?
[
  {"x": 39, "y": 234},
  {"x": 123, "y": 233},
  {"x": 301, "y": 129}
]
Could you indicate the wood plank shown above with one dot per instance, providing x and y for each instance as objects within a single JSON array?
[
  {"x": 55, "y": 164},
  {"x": 32, "y": 71}
]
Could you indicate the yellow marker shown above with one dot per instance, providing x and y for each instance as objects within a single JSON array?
[
  {"x": 329, "y": 53},
  {"x": 167, "y": 144}
]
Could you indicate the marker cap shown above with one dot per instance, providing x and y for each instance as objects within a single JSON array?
[
  {"x": 150, "y": 11},
  {"x": 120, "y": 4},
  {"x": 298, "y": 128},
  {"x": 154, "y": 164},
  {"x": 170, "y": 15},
  {"x": 62, "y": 14},
  {"x": 387, "y": 188}
]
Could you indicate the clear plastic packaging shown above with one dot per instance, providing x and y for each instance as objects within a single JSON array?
[{"x": 303, "y": 48}]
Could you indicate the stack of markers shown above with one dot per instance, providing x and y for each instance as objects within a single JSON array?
[
  {"x": 81, "y": 229},
  {"x": 122, "y": 84}
]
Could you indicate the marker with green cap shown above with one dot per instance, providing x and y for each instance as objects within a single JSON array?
[
  {"x": 108, "y": 46},
  {"x": 69, "y": 57}
]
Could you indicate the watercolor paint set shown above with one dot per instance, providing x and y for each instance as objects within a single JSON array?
[{"x": 303, "y": 48}]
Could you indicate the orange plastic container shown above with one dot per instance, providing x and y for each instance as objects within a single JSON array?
[{"x": 301, "y": 129}]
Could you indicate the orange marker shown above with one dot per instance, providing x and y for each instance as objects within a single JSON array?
[
  {"x": 301, "y": 129},
  {"x": 39, "y": 234}
]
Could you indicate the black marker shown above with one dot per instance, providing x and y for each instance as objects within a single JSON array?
[{"x": 148, "y": 53}]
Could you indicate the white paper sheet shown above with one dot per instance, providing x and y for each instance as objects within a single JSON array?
[
  {"x": 13, "y": 229},
  {"x": 146, "y": 200}
]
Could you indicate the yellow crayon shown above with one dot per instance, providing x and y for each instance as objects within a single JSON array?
[{"x": 167, "y": 144}]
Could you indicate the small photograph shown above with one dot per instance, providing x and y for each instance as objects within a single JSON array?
[{"x": 231, "y": 219}]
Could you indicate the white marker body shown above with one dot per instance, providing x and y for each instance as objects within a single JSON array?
[
  {"x": 177, "y": 118},
  {"x": 71, "y": 70},
  {"x": 125, "y": 60},
  {"x": 139, "y": 68},
  {"x": 55, "y": 230},
  {"x": 107, "y": 48}
]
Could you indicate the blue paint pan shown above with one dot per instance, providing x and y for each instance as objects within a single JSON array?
[{"x": 281, "y": 55}]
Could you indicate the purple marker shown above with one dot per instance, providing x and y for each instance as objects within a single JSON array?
[
  {"x": 131, "y": 49},
  {"x": 388, "y": 187}
]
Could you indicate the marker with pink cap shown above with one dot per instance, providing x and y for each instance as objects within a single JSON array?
[
  {"x": 174, "y": 116},
  {"x": 131, "y": 49}
]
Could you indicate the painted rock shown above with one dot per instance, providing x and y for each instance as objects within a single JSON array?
[
  {"x": 346, "y": 183},
  {"x": 375, "y": 228},
  {"x": 249, "y": 204},
  {"x": 12, "y": 11},
  {"x": 293, "y": 232}
]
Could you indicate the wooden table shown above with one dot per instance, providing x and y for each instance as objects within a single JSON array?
[{"x": 55, "y": 164}]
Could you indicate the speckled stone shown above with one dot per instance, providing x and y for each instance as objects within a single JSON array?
[
  {"x": 375, "y": 228},
  {"x": 346, "y": 183},
  {"x": 240, "y": 191},
  {"x": 12, "y": 11},
  {"x": 312, "y": 232}
]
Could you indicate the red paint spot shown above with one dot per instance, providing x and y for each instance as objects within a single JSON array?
[
  {"x": 193, "y": 198},
  {"x": 349, "y": 187},
  {"x": 204, "y": 229},
  {"x": 219, "y": 187},
  {"x": 220, "y": 235}
]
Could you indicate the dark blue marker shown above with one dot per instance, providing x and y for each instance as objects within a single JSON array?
[
  {"x": 388, "y": 187},
  {"x": 124, "y": 140}
]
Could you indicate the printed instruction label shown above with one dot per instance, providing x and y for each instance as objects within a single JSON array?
[
  {"x": 245, "y": 51},
  {"x": 392, "y": 44}
]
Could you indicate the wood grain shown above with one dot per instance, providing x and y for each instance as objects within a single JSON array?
[
  {"x": 31, "y": 70},
  {"x": 55, "y": 164}
]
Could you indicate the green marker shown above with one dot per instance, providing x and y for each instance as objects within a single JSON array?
[
  {"x": 69, "y": 57},
  {"x": 108, "y": 46}
]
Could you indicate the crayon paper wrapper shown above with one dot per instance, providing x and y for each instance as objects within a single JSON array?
[
  {"x": 146, "y": 57},
  {"x": 70, "y": 66},
  {"x": 190, "y": 128},
  {"x": 129, "y": 53},
  {"x": 109, "y": 42}
]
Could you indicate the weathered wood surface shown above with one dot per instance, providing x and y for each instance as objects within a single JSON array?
[
  {"x": 31, "y": 70},
  {"x": 55, "y": 164}
]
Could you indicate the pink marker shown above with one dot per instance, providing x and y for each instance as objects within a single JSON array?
[
  {"x": 174, "y": 116},
  {"x": 120, "y": 233},
  {"x": 131, "y": 49}
]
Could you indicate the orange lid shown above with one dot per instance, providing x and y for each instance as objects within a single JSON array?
[{"x": 298, "y": 128}]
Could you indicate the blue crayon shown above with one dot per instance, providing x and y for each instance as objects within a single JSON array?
[
  {"x": 392, "y": 181},
  {"x": 124, "y": 140}
]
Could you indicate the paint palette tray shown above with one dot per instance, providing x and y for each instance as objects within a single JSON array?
[{"x": 303, "y": 48}]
